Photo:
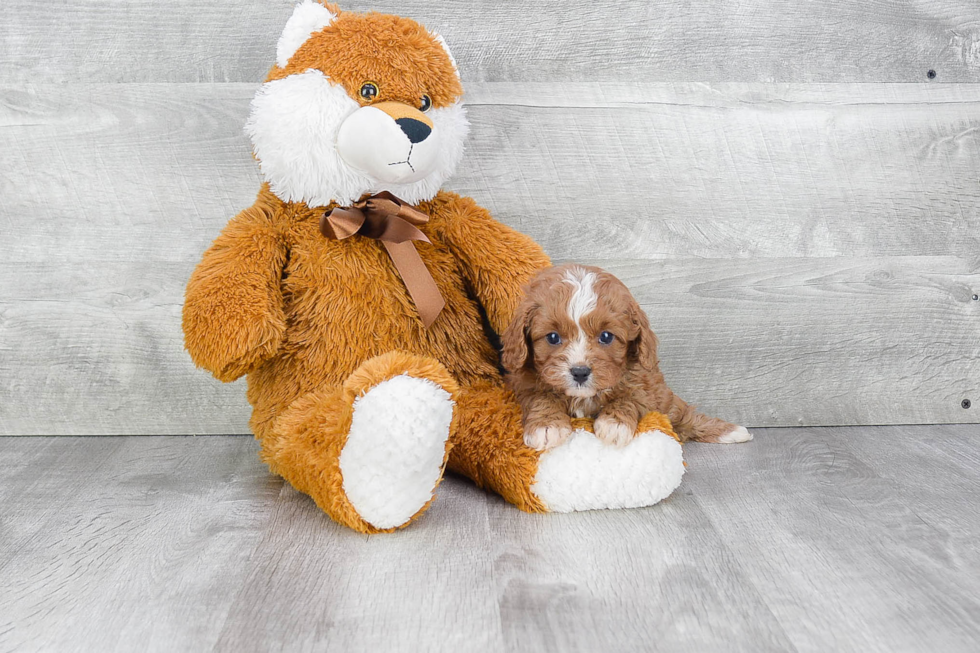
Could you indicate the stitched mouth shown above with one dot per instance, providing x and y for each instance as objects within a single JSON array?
[{"x": 407, "y": 159}]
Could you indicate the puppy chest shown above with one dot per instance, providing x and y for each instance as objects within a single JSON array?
[{"x": 583, "y": 407}]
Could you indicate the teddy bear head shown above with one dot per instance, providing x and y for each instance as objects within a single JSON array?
[{"x": 357, "y": 104}]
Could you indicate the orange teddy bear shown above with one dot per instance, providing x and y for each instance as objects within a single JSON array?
[{"x": 355, "y": 293}]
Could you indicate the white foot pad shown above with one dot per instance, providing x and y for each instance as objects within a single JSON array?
[
  {"x": 585, "y": 474},
  {"x": 393, "y": 457}
]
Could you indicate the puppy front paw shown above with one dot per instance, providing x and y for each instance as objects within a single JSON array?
[
  {"x": 611, "y": 431},
  {"x": 547, "y": 437}
]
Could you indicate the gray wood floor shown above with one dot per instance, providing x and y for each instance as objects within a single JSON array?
[{"x": 807, "y": 539}]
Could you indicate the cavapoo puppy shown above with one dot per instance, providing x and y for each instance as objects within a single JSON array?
[{"x": 580, "y": 346}]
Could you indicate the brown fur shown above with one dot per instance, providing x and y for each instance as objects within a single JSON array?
[
  {"x": 316, "y": 322},
  {"x": 395, "y": 53},
  {"x": 626, "y": 378},
  {"x": 304, "y": 325}
]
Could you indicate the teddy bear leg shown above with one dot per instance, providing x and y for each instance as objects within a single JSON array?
[
  {"x": 371, "y": 452},
  {"x": 488, "y": 445},
  {"x": 581, "y": 474}
]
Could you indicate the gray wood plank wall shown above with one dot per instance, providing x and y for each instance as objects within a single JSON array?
[{"x": 791, "y": 196}]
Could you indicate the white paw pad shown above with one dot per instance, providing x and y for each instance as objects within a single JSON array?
[
  {"x": 587, "y": 474},
  {"x": 393, "y": 457},
  {"x": 736, "y": 435}
]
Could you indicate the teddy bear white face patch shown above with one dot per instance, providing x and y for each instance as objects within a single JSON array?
[
  {"x": 317, "y": 144},
  {"x": 391, "y": 142}
]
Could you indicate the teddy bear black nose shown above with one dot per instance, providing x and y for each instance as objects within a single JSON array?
[
  {"x": 416, "y": 130},
  {"x": 580, "y": 374}
]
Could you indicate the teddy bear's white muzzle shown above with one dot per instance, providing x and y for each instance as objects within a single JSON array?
[{"x": 389, "y": 150}]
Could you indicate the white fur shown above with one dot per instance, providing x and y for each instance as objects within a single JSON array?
[
  {"x": 585, "y": 474},
  {"x": 612, "y": 431},
  {"x": 575, "y": 353},
  {"x": 582, "y": 302},
  {"x": 583, "y": 299},
  {"x": 308, "y": 17},
  {"x": 393, "y": 457},
  {"x": 293, "y": 125},
  {"x": 584, "y": 406},
  {"x": 445, "y": 46},
  {"x": 736, "y": 435},
  {"x": 546, "y": 437},
  {"x": 371, "y": 142}
]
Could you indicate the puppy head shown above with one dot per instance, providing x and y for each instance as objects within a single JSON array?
[
  {"x": 357, "y": 104},
  {"x": 579, "y": 330}
]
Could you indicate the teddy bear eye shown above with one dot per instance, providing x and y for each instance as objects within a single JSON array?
[
  {"x": 369, "y": 91},
  {"x": 605, "y": 338},
  {"x": 426, "y": 103},
  {"x": 553, "y": 338}
]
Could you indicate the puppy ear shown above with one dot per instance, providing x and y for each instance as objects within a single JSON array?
[
  {"x": 643, "y": 343},
  {"x": 517, "y": 338}
]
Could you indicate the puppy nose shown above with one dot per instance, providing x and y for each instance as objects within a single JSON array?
[
  {"x": 580, "y": 374},
  {"x": 416, "y": 130}
]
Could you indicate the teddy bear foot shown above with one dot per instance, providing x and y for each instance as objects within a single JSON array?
[
  {"x": 586, "y": 474},
  {"x": 396, "y": 448}
]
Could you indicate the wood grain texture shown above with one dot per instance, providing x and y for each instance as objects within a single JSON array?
[
  {"x": 845, "y": 540},
  {"x": 314, "y": 585},
  {"x": 936, "y": 475},
  {"x": 858, "y": 539},
  {"x": 95, "y": 347},
  {"x": 656, "y": 579},
  {"x": 808, "y": 251},
  {"x": 135, "y": 172},
  {"x": 127, "y": 543},
  {"x": 816, "y": 341},
  {"x": 513, "y": 40}
]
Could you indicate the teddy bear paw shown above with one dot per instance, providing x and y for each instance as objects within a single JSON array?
[
  {"x": 587, "y": 474},
  {"x": 396, "y": 449}
]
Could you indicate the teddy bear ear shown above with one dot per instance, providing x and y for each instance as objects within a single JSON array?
[
  {"x": 308, "y": 17},
  {"x": 442, "y": 42}
]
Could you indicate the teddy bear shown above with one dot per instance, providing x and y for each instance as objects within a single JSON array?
[{"x": 361, "y": 299}]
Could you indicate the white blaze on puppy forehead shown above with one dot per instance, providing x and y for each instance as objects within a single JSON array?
[
  {"x": 582, "y": 302},
  {"x": 583, "y": 299}
]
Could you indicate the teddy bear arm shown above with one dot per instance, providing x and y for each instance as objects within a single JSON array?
[
  {"x": 233, "y": 310},
  {"x": 497, "y": 261}
]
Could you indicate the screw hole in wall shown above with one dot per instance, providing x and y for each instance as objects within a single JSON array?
[
  {"x": 931, "y": 74},
  {"x": 965, "y": 403}
]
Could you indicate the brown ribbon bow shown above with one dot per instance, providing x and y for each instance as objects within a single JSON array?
[{"x": 386, "y": 218}]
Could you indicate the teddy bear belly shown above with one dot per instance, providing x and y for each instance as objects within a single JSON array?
[
  {"x": 329, "y": 349},
  {"x": 343, "y": 309}
]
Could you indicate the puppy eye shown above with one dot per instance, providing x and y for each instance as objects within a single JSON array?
[
  {"x": 425, "y": 104},
  {"x": 553, "y": 338},
  {"x": 369, "y": 91},
  {"x": 605, "y": 338}
]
